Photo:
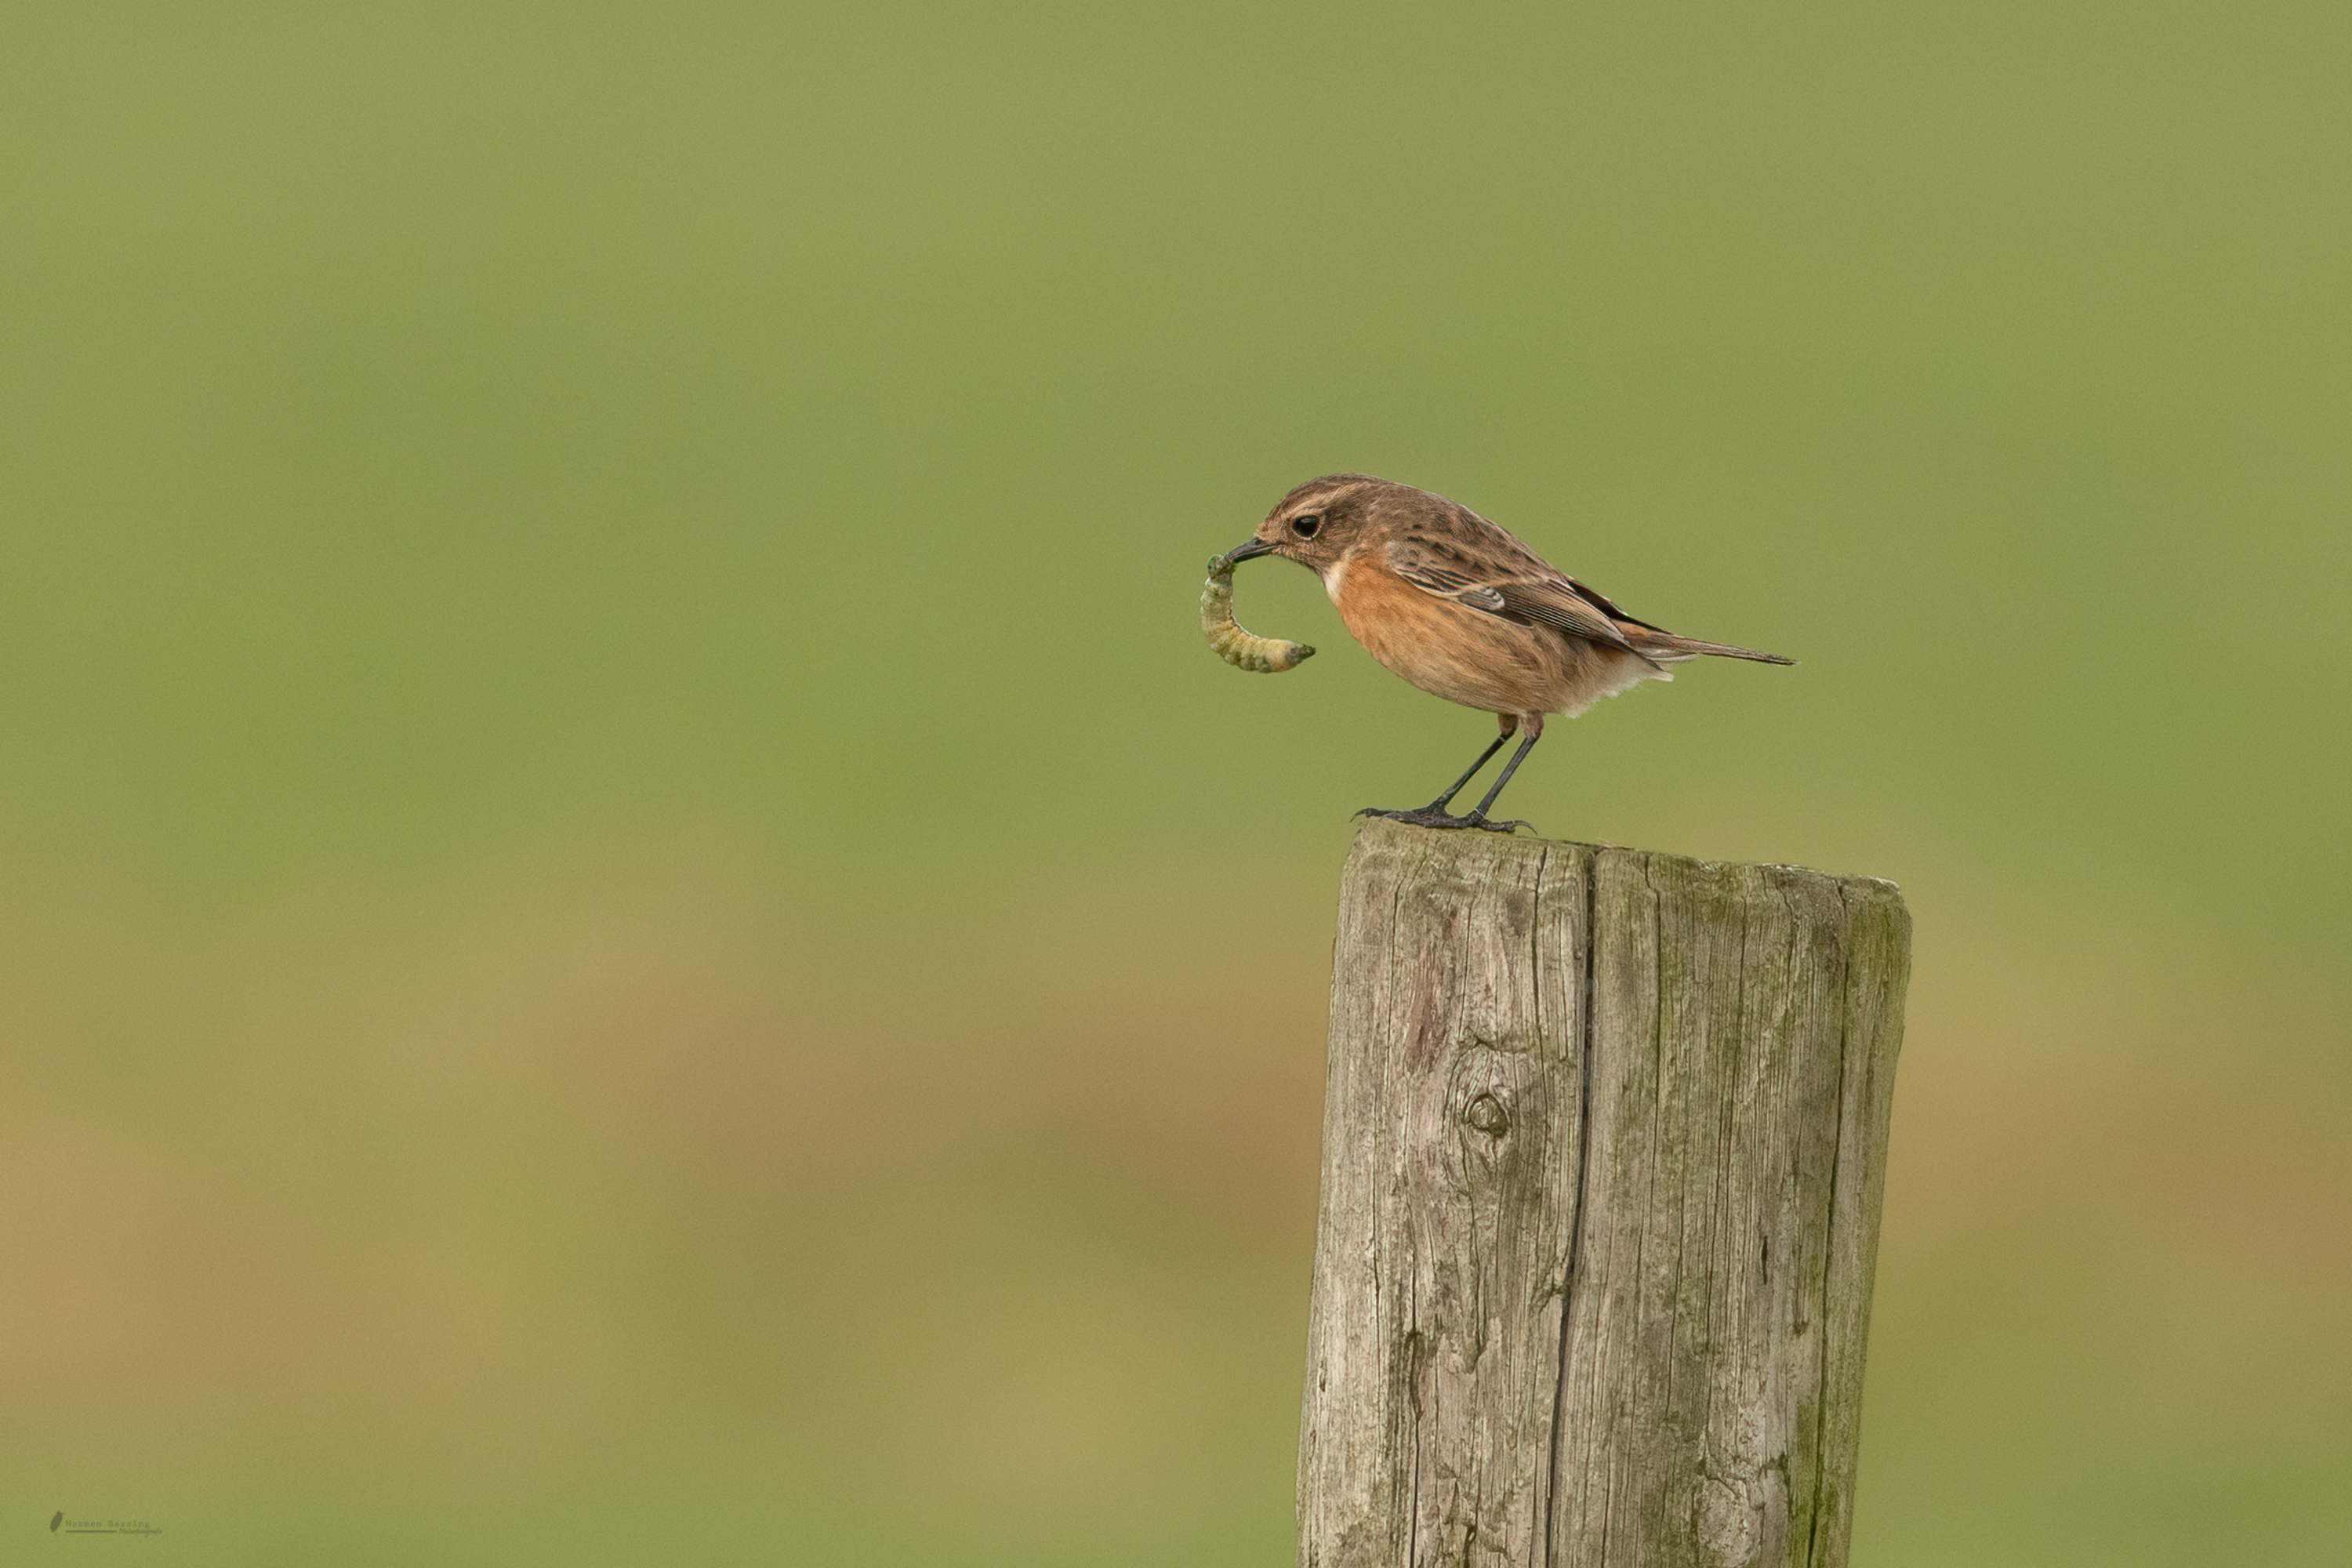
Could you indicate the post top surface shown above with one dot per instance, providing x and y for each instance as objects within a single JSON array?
[{"x": 1463, "y": 845}]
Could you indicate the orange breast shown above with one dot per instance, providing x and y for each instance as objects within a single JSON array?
[
  {"x": 1448, "y": 649},
  {"x": 1466, "y": 656}
]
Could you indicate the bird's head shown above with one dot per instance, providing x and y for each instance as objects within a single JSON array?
[{"x": 1316, "y": 523}]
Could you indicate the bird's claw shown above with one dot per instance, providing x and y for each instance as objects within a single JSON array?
[{"x": 1432, "y": 816}]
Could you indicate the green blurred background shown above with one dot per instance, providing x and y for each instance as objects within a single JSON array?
[{"x": 635, "y": 927}]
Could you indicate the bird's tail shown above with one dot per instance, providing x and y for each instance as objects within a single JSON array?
[{"x": 1665, "y": 647}]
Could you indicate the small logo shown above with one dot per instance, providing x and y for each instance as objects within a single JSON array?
[{"x": 59, "y": 1521}]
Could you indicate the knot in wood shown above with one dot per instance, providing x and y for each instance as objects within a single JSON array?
[{"x": 1487, "y": 1114}]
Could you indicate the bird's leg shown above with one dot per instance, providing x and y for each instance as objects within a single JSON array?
[
  {"x": 1435, "y": 814},
  {"x": 1437, "y": 807},
  {"x": 1478, "y": 817}
]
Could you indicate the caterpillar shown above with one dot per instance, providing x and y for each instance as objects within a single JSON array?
[{"x": 1235, "y": 643}]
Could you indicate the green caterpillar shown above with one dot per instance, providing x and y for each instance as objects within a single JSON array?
[{"x": 1236, "y": 644}]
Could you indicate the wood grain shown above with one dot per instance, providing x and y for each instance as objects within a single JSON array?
[{"x": 1604, "y": 1141}]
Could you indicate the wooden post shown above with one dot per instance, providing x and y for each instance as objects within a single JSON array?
[{"x": 1605, "y": 1138}]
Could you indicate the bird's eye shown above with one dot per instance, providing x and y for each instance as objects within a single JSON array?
[{"x": 1306, "y": 525}]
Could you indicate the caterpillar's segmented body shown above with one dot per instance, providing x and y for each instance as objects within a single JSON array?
[{"x": 1236, "y": 645}]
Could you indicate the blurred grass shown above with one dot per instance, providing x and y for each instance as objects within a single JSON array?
[{"x": 635, "y": 925}]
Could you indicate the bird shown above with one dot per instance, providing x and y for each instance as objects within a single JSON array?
[{"x": 1464, "y": 610}]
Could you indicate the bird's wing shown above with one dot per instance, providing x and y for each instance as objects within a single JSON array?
[{"x": 1523, "y": 589}]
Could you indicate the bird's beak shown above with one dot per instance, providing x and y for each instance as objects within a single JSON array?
[{"x": 1247, "y": 548}]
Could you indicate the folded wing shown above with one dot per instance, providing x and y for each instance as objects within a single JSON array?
[{"x": 1525, "y": 591}]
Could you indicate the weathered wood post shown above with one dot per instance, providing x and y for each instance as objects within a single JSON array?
[{"x": 1604, "y": 1140}]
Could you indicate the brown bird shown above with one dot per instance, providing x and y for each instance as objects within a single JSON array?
[{"x": 1464, "y": 610}]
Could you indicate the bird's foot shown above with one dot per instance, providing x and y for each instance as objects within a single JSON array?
[{"x": 1433, "y": 815}]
